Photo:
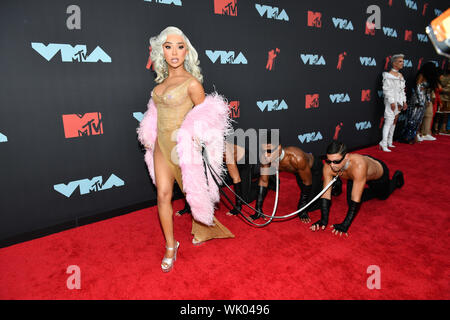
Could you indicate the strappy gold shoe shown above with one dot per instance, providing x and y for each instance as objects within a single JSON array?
[{"x": 167, "y": 263}]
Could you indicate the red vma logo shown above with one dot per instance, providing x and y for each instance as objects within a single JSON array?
[
  {"x": 370, "y": 28},
  {"x": 340, "y": 59},
  {"x": 311, "y": 101},
  {"x": 271, "y": 56},
  {"x": 77, "y": 125},
  {"x": 315, "y": 19},
  {"x": 225, "y": 7},
  {"x": 337, "y": 130},
  {"x": 235, "y": 110},
  {"x": 365, "y": 95},
  {"x": 408, "y": 35}
]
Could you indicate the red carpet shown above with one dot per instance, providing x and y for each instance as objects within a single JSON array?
[{"x": 407, "y": 236}]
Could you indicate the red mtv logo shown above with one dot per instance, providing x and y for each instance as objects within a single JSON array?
[
  {"x": 315, "y": 19},
  {"x": 337, "y": 130},
  {"x": 312, "y": 101},
  {"x": 77, "y": 125},
  {"x": 365, "y": 95},
  {"x": 408, "y": 35},
  {"x": 271, "y": 56},
  {"x": 235, "y": 110},
  {"x": 225, "y": 7},
  {"x": 370, "y": 28}
]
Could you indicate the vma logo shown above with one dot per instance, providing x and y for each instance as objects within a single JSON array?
[
  {"x": 390, "y": 32},
  {"x": 363, "y": 125},
  {"x": 313, "y": 59},
  {"x": 422, "y": 37},
  {"x": 407, "y": 63},
  {"x": 87, "y": 124},
  {"x": 272, "y": 105},
  {"x": 175, "y": 2},
  {"x": 311, "y": 101},
  {"x": 314, "y": 19},
  {"x": 437, "y": 12},
  {"x": 342, "y": 24},
  {"x": 310, "y": 137},
  {"x": 368, "y": 61},
  {"x": 339, "y": 97},
  {"x": 365, "y": 95},
  {"x": 271, "y": 12},
  {"x": 408, "y": 35},
  {"x": 3, "y": 138},
  {"x": 138, "y": 116},
  {"x": 226, "y": 57},
  {"x": 235, "y": 110},
  {"x": 69, "y": 53},
  {"x": 87, "y": 185},
  {"x": 411, "y": 4},
  {"x": 225, "y": 7}
]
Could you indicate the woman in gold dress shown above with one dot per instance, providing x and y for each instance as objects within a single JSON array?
[{"x": 179, "y": 90}]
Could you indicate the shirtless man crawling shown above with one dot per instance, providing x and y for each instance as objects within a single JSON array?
[{"x": 358, "y": 170}]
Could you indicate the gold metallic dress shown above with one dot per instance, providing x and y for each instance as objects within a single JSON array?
[{"x": 172, "y": 108}]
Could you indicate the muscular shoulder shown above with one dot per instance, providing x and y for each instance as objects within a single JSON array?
[{"x": 359, "y": 166}]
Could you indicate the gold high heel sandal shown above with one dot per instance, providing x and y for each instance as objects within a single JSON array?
[{"x": 167, "y": 263}]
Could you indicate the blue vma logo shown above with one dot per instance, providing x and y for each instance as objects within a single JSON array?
[
  {"x": 138, "y": 116},
  {"x": 87, "y": 185},
  {"x": 78, "y": 53},
  {"x": 390, "y": 32},
  {"x": 364, "y": 125},
  {"x": 368, "y": 61},
  {"x": 342, "y": 24},
  {"x": 422, "y": 37},
  {"x": 226, "y": 57},
  {"x": 411, "y": 4},
  {"x": 313, "y": 59},
  {"x": 310, "y": 137},
  {"x": 339, "y": 97},
  {"x": 272, "y": 105},
  {"x": 3, "y": 138},
  {"x": 174, "y": 2},
  {"x": 271, "y": 12}
]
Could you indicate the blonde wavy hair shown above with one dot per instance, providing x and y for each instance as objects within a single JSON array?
[{"x": 191, "y": 62}]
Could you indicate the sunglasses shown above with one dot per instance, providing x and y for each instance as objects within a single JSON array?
[{"x": 334, "y": 161}]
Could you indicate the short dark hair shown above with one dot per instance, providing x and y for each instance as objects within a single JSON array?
[{"x": 337, "y": 147}]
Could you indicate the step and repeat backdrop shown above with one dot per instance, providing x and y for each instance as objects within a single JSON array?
[{"x": 76, "y": 79}]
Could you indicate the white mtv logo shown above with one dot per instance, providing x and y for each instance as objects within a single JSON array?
[{"x": 271, "y": 105}]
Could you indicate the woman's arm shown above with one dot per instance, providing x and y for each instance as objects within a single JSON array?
[{"x": 196, "y": 92}]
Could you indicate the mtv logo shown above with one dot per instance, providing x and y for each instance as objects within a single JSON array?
[
  {"x": 69, "y": 53},
  {"x": 3, "y": 138},
  {"x": 235, "y": 111},
  {"x": 315, "y": 19},
  {"x": 225, "y": 7},
  {"x": 272, "y": 105},
  {"x": 138, "y": 116},
  {"x": 313, "y": 59},
  {"x": 339, "y": 97},
  {"x": 311, "y": 101},
  {"x": 368, "y": 61},
  {"x": 390, "y": 32},
  {"x": 271, "y": 12},
  {"x": 411, "y": 4},
  {"x": 422, "y": 37},
  {"x": 365, "y": 95},
  {"x": 174, "y": 2},
  {"x": 363, "y": 125},
  {"x": 226, "y": 57},
  {"x": 408, "y": 35},
  {"x": 88, "y": 185},
  {"x": 87, "y": 124},
  {"x": 342, "y": 24},
  {"x": 370, "y": 28},
  {"x": 310, "y": 137}
]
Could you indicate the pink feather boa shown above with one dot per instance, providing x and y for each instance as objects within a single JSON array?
[{"x": 208, "y": 122}]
